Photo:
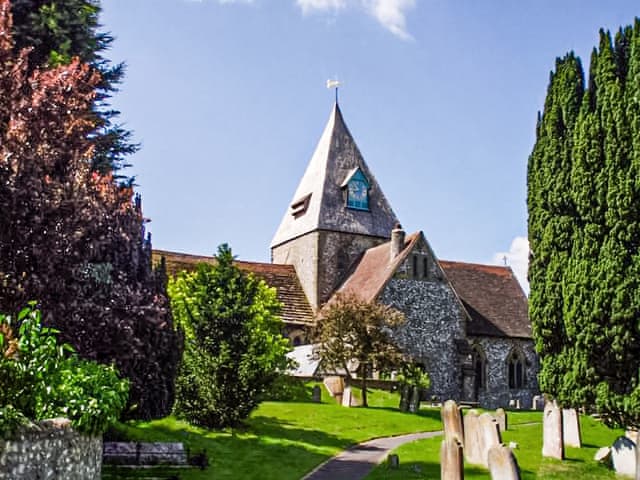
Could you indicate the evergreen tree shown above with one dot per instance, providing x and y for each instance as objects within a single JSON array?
[
  {"x": 71, "y": 238},
  {"x": 233, "y": 346},
  {"x": 584, "y": 307},
  {"x": 55, "y": 31}
]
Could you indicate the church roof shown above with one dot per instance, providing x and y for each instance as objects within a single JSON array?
[
  {"x": 493, "y": 298},
  {"x": 491, "y": 295},
  {"x": 295, "y": 306},
  {"x": 320, "y": 199},
  {"x": 375, "y": 269}
]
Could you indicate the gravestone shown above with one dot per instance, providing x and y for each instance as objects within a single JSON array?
[
  {"x": 503, "y": 464},
  {"x": 334, "y": 385},
  {"x": 490, "y": 435},
  {"x": 414, "y": 402},
  {"x": 603, "y": 455},
  {"x": 472, "y": 438},
  {"x": 538, "y": 402},
  {"x": 552, "y": 440},
  {"x": 452, "y": 421},
  {"x": 316, "y": 394},
  {"x": 623, "y": 456},
  {"x": 451, "y": 463},
  {"x": 394, "y": 461},
  {"x": 571, "y": 428},
  {"x": 347, "y": 401},
  {"x": 501, "y": 418}
]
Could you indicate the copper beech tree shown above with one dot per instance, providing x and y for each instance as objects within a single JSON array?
[
  {"x": 352, "y": 333},
  {"x": 71, "y": 238}
]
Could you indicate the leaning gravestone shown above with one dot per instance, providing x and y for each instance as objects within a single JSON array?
[
  {"x": 552, "y": 440},
  {"x": 490, "y": 435},
  {"x": 501, "y": 418},
  {"x": 335, "y": 386},
  {"x": 571, "y": 428},
  {"x": 538, "y": 402},
  {"x": 451, "y": 463},
  {"x": 623, "y": 456},
  {"x": 347, "y": 401},
  {"x": 503, "y": 464},
  {"x": 414, "y": 402},
  {"x": 452, "y": 421},
  {"x": 472, "y": 438},
  {"x": 316, "y": 394}
]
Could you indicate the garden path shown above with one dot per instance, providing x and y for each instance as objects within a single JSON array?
[{"x": 356, "y": 462}]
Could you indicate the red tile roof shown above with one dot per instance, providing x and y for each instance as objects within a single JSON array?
[
  {"x": 492, "y": 296},
  {"x": 283, "y": 278},
  {"x": 375, "y": 270}
]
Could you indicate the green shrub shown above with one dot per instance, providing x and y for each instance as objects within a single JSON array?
[{"x": 40, "y": 378}]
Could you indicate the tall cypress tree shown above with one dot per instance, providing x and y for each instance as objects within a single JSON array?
[{"x": 589, "y": 337}]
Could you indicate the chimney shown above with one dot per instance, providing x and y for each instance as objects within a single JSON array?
[{"x": 397, "y": 240}]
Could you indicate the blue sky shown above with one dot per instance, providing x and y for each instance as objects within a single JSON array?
[{"x": 228, "y": 100}]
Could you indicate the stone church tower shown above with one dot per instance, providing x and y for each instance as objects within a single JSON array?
[{"x": 338, "y": 211}]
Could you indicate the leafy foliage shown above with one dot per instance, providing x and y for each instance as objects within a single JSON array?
[
  {"x": 73, "y": 239},
  {"x": 57, "y": 31},
  {"x": 584, "y": 231},
  {"x": 44, "y": 379},
  {"x": 233, "y": 347},
  {"x": 351, "y": 330}
]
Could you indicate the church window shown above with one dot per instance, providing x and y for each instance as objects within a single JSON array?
[
  {"x": 300, "y": 206},
  {"x": 425, "y": 267},
  {"x": 479, "y": 368},
  {"x": 415, "y": 266},
  {"x": 358, "y": 191},
  {"x": 515, "y": 365}
]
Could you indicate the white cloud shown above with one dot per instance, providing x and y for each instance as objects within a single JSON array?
[
  {"x": 518, "y": 259},
  {"x": 391, "y": 14}
]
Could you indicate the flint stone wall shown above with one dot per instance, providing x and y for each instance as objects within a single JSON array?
[
  {"x": 496, "y": 392},
  {"x": 434, "y": 320},
  {"x": 50, "y": 450}
]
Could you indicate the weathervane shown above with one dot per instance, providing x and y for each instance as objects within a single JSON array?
[{"x": 335, "y": 83}]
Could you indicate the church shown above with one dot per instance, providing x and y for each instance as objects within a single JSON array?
[{"x": 466, "y": 324}]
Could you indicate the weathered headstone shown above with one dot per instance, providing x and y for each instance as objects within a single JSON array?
[
  {"x": 346, "y": 397},
  {"x": 603, "y": 455},
  {"x": 394, "y": 461},
  {"x": 503, "y": 464},
  {"x": 623, "y": 456},
  {"x": 538, "y": 402},
  {"x": 472, "y": 438},
  {"x": 451, "y": 463},
  {"x": 490, "y": 436},
  {"x": 316, "y": 394},
  {"x": 414, "y": 402},
  {"x": 571, "y": 428},
  {"x": 452, "y": 421},
  {"x": 552, "y": 440},
  {"x": 334, "y": 385},
  {"x": 501, "y": 418}
]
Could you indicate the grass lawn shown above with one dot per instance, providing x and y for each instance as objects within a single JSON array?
[
  {"x": 283, "y": 440},
  {"x": 420, "y": 460}
]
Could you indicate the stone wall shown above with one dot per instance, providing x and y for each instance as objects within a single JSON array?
[
  {"x": 50, "y": 450},
  {"x": 435, "y": 320},
  {"x": 496, "y": 392}
]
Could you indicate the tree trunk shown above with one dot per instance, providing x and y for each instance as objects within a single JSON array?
[{"x": 364, "y": 386}]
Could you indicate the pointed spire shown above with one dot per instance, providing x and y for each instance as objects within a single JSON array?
[{"x": 320, "y": 201}]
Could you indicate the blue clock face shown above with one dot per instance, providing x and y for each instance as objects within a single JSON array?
[{"x": 358, "y": 195}]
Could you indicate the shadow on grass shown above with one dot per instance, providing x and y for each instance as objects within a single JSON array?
[
  {"x": 433, "y": 414},
  {"x": 420, "y": 470},
  {"x": 268, "y": 448}
]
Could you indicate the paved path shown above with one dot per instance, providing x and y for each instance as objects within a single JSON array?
[{"x": 356, "y": 462}]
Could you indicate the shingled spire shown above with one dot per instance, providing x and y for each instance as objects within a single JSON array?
[{"x": 337, "y": 212}]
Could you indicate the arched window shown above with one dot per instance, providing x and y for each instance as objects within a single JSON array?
[
  {"x": 515, "y": 367},
  {"x": 479, "y": 368}
]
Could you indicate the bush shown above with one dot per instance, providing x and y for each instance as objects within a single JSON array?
[
  {"x": 40, "y": 378},
  {"x": 233, "y": 346}
]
